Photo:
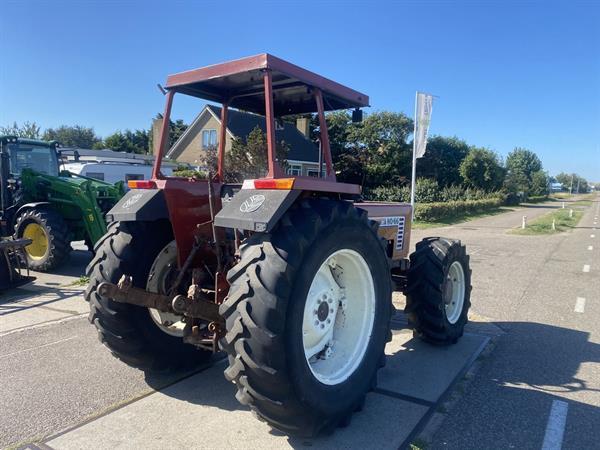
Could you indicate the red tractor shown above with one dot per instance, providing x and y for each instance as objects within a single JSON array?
[{"x": 291, "y": 276}]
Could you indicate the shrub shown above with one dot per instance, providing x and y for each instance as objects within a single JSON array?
[
  {"x": 537, "y": 198},
  {"x": 389, "y": 194},
  {"x": 190, "y": 173},
  {"x": 427, "y": 190},
  {"x": 430, "y": 212}
]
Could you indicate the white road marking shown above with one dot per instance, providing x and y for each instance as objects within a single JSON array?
[
  {"x": 590, "y": 247},
  {"x": 592, "y": 236},
  {"x": 580, "y": 305},
  {"x": 555, "y": 429},
  {"x": 586, "y": 267}
]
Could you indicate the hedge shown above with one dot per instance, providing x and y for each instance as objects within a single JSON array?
[
  {"x": 430, "y": 212},
  {"x": 537, "y": 198}
]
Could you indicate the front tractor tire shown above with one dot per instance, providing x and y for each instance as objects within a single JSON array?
[
  {"x": 438, "y": 293},
  {"x": 307, "y": 317},
  {"x": 50, "y": 238},
  {"x": 132, "y": 333}
]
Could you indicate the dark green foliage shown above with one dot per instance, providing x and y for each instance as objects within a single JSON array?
[
  {"x": 566, "y": 178},
  {"x": 72, "y": 136},
  {"x": 430, "y": 212},
  {"x": 481, "y": 169},
  {"x": 29, "y": 130},
  {"x": 428, "y": 192},
  {"x": 521, "y": 164},
  {"x": 442, "y": 160},
  {"x": 539, "y": 183},
  {"x": 127, "y": 141},
  {"x": 248, "y": 158}
]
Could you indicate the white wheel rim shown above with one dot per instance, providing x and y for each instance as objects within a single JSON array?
[
  {"x": 338, "y": 317},
  {"x": 455, "y": 292},
  {"x": 163, "y": 265}
]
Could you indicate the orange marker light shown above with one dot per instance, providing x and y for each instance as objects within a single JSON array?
[
  {"x": 141, "y": 184},
  {"x": 274, "y": 183}
]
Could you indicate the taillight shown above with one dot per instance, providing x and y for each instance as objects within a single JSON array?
[
  {"x": 141, "y": 184},
  {"x": 269, "y": 183}
]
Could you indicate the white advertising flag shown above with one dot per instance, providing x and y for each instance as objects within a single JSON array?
[{"x": 422, "y": 119}]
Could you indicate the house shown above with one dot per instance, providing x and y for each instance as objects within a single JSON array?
[{"x": 203, "y": 134}]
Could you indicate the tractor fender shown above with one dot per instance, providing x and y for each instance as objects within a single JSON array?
[
  {"x": 256, "y": 209},
  {"x": 139, "y": 205},
  {"x": 32, "y": 205}
]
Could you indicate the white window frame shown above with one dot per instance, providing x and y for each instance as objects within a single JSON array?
[
  {"x": 292, "y": 168},
  {"x": 211, "y": 133},
  {"x": 315, "y": 170}
]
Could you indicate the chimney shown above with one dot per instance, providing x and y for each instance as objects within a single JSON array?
[
  {"x": 303, "y": 125},
  {"x": 156, "y": 128}
]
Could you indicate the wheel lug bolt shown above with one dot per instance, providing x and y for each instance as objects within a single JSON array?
[
  {"x": 316, "y": 322},
  {"x": 328, "y": 320},
  {"x": 322, "y": 326}
]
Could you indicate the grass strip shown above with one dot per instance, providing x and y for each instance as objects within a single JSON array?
[{"x": 543, "y": 224}]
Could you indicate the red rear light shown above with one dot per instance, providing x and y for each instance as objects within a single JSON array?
[
  {"x": 141, "y": 184},
  {"x": 271, "y": 183}
]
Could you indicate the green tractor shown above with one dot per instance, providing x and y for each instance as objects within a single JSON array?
[{"x": 48, "y": 206}]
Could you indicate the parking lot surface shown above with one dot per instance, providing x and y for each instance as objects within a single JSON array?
[{"x": 541, "y": 351}]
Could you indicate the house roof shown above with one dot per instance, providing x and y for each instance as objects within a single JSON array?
[
  {"x": 240, "y": 124},
  {"x": 240, "y": 82}
]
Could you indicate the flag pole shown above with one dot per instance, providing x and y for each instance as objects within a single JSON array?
[{"x": 413, "y": 179}]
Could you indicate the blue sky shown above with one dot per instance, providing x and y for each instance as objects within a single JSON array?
[{"x": 507, "y": 73}]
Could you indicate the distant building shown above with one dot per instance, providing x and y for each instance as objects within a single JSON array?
[{"x": 203, "y": 134}]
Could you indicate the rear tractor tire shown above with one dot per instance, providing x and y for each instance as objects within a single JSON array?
[
  {"x": 50, "y": 236},
  {"x": 438, "y": 293},
  {"x": 308, "y": 316},
  {"x": 142, "y": 338}
]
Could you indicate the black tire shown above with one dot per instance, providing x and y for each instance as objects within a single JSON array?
[
  {"x": 264, "y": 313},
  {"x": 57, "y": 235},
  {"x": 128, "y": 330},
  {"x": 428, "y": 288}
]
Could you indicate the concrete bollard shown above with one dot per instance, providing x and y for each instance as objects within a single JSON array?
[
  {"x": 570, "y": 214},
  {"x": 563, "y": 205},
  {"x": 524, "y": 222},
  {"x": 554, "y": 224}
]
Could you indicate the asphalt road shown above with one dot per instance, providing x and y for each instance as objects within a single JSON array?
[
  {"x": 56, "y": 374},
  {"x": 529, "y": 286}
]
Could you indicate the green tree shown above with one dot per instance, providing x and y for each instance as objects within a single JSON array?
[
  {"x": 521, "y": 164},
  {"x": 29, "y": 130},
  {"x": 72, "y": 136},
  {"x": 567, "y": 178},
  {"x": 442, "y": 160},
  {"x": 379, "y": 150},
  {"x": 539, "y": 183},
  {"x": 248, "y": 157},
  {"x": 481, "y": 169},
  {"x": 127, "y": 141}
]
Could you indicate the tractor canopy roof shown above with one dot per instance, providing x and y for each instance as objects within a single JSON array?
[
  {"x": 240, "y": 84},
  {"x": 6, "y": 139}
]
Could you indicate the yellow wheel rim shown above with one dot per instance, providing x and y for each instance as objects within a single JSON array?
[{"x": 39, "y": 245}]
